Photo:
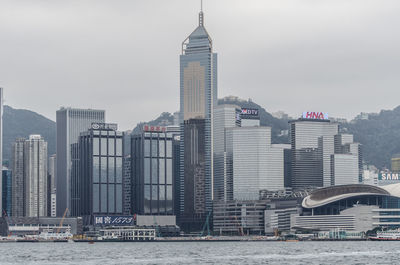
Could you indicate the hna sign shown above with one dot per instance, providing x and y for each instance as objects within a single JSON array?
[{"x": 315, "y": 115}]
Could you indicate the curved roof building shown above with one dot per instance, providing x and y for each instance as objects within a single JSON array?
[{"x": 356, "y": 207}]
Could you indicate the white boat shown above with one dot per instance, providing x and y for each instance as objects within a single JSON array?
[{"x": 389, "y": 235}]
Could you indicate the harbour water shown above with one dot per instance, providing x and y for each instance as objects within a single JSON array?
[{"x": 350, "y": 252}]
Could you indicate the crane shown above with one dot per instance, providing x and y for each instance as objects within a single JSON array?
[{"x": 62, "y": 220}]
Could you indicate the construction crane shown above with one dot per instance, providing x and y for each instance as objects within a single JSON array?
[
  {"x": 206, "y": 224},
  {"x": 62, "y": 220}
]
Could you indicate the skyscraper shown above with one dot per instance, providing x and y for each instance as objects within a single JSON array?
[
  {"x": 35, "y": 171},
  {"x": 53, "y": 188},
  {"x": 70, "y": 123},
  {"x": 7, "y": 191},
  {"x": 1, "y": 140},
  {"x": 18, "y": 181},
  {"x": 198, "y": 96}
]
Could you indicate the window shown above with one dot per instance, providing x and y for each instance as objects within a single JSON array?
[
  {"x": 154, "y": 171},
  {"x": 169, "y": 171},
  {"x": 96, "y": 169},
  {"x": 118, "y": 200},
  {"x": 147, "y": 148},
  {"x": 103, "y": 146},
  {"x": 146, "y": 198},
  {"x": 169, "y": 200},
  {"x": 169, "y": 148},
  {"x": 103, "y": 169},
  {"x": 161, "y": 148},
  {"x": 154, "y": 148},
  {"x": 161, "y": 202},
  {"x": 103, "y": 198},
  {"x": 111, "y": 199},
  {"x": 154, "y": 199},
  {"x": 147, "y": 171},
  {"x": 96, "y": 146},
  {"x": 111, "y": 170},
  {"x": 119, "y": 147},
  {"x": 118, "y": 167},
  {"x": 111, "y": 142},
  {"x": 161, "y": 174},
  {"x": 95, "y": 198}
]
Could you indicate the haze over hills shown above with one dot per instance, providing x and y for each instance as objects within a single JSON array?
[{"x": 379, "y": 134}]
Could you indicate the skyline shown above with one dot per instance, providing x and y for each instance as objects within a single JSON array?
[{"x": 74, "y": 51}]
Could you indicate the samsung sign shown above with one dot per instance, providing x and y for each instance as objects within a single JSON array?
[
  {"x": 388, "y": 176},
  {"x": 315, "y": 115}
]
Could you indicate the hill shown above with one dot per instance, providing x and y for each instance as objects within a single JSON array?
[{"x": 22, "y": 123}]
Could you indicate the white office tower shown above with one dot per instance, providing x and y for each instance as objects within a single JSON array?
[
  {"x": 1, "y": 145},
  {"x": 253, "y": 162},
  {"x": 35, "y": 155},
  {"x": 345, "y": 169},
  {"x": 53, "y": 187},
  {"x": 225, "y": 116},
  {"x": 70, "y": 123}
]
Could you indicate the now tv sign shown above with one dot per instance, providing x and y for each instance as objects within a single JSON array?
[{"x": 315, "y": 115}]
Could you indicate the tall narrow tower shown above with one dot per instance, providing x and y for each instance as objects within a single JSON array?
[{"x": 198, "y": 96}]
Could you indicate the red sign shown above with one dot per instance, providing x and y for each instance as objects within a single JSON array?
[
  {"x": 315, "y": 115},
  {"x": 149, "y": 128}
]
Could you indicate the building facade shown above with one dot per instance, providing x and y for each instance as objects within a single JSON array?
[
  {"x": 98, "y": 188},
  {"x": 198, "y": 97},
  {"x": 152, "y": 174},
  {"x": 52, "y": 193},
  {"x": 70, "y": 123},
  {"x": 18, "y": 182},
  {"x": 1, "y": 140},
  {"x": 6, "y": 192},
  {"x": 35, "y": 176}
]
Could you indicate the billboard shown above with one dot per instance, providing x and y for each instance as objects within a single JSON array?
[
  {"x": 150, "y": 128},
  {"x": 113, "y": 220},
  {"x": 388, "y": 176},
  {"x": 104, "y": 126},
  {"x": 315, "y": 115}
]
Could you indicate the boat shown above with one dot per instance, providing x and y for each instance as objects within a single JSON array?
[{"x": 389, "y": 235}]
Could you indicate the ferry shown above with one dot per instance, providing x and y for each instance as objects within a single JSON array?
[{"x": 389, "y": 235}]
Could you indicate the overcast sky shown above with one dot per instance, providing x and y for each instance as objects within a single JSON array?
[{"x": 335, "y": 56}]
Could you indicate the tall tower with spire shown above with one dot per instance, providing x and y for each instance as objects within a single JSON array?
[{"x": 198, "y": 96}]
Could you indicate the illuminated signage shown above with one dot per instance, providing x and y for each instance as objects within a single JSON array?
[
  {"x": 252, "y": 112},
  {"x": 106, "y": 220},
  {"x": 388, "y": 176},
  {"x": 315, "y": 115},
  {"x": 104, "y": 126},
  {"x": 148, "y": 128}
]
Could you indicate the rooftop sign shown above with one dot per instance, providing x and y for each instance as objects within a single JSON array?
[
  {"x": 388, "y": 176},
  {"x": 148, "y": 128},
  {"x": 315, "y": 115},
  {"x": 104, "y": 126}
]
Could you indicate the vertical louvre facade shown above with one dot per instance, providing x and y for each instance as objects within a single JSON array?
[
  {"x": 152, "y": 173},
  {"x": 70, "y": 123},
  {"x": 18, "y": 182},
  {"x": 99, "y": 184}
]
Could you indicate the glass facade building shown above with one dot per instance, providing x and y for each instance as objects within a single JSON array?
[
  {"x": 198, "y": 97},
  {"x": 98, "y": 188},
  {"x": 7, "y": 192},
  {"x": 152, "y": 173},
  {"x": 70, "y": 123}
]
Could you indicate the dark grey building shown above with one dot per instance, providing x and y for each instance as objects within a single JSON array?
[
  {"x": 152, "y": 172},
  {"x": 18, "y": 182},
  {"x": 70, "y": 123},
  {"x": 6, "y": 191},
  {"x": 98, "y": 188},
  {"x": 127, "y": 182}
]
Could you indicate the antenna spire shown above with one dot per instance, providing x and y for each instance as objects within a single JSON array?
[{"x": 201, "y": 15}]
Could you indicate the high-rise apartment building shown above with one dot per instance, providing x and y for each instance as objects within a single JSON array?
[
  {"x": 52, "y": 194},
  {"x": 70, "y": 123},
  {"x": 127, "y": 183},
  {"x": 98, "y": 187},
  {"x": 198, "y": 97},
  {"x": 35, "y": 175},
  {"x": 18, "y": 182},
  {"x": 152, "y": 174}
]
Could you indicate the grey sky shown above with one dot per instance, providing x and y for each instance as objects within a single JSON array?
[{"x": 336, "y": 56}]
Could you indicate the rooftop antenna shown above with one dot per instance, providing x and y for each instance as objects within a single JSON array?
[{"x": 201, "y": 15}]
